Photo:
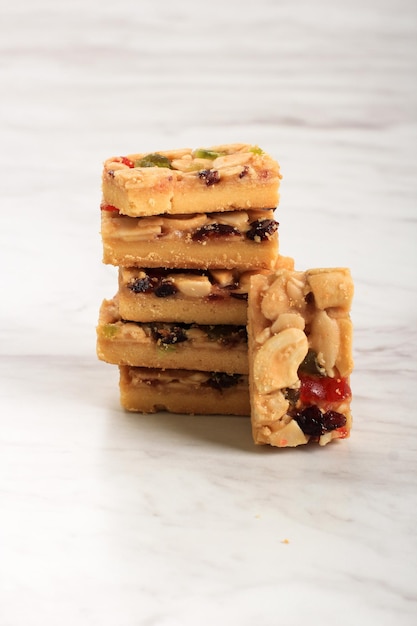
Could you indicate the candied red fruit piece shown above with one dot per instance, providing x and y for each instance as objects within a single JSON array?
[
  {"x": 323, "y": 389},
  {"x": 109, "y": 207},
  {"x": 125, "y": 161}
]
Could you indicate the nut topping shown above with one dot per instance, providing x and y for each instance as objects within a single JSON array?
[{"x": 277, "y": 360}]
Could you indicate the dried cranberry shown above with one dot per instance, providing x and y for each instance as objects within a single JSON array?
[
  {"x": 333, "y": 420},
  {"x": 165, "y": 288},
  {"x": 165, "y": 334},
  {"x": 310, "y": 420},
  {"x": 262, "y": 229},
  {"x": 141, "y": 285},
  {"x": 220, "y": 380},
  {"x": 315, "y": 423},
  {"x": 210, "y": 177},
  {"x": 209, "y": 231}
]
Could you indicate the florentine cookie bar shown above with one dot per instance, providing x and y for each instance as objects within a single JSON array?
[
  {"x": 300, "y": 356},
  {"x": 173, "y": 346},
  {"x": 190, "y": 296},
  {"x": 149, "y": 390},
  {"x": 220, "y": 178},
  {"x": 232, "y": 239}
]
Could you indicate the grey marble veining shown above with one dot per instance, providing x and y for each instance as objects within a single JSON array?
[{"x": 108, "y": 518}]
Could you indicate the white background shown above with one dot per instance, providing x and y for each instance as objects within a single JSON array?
[{"x": 115, "y": 519}]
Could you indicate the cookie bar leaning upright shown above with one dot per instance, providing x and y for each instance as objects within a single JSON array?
[
  {"x": 300, "y": 356},
  {"x": 219, "y": 178}
]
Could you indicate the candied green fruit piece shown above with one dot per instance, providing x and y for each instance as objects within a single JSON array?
[
  {"x": 202, "y": 153},
  {"x": 256, "y": 150},
  {"x": 310, "y": 365},
  {"x": 110, "y": 330},
  {"x": 153, "y": 160}
]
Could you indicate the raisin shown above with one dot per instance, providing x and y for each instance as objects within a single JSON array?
[
  {"x": 220, "y": 380},
  {"x": 167, "y": 335},
  {"x": 315, "y": 423},
  {"x": 165, "y": 288},
  {"x": 209, "y": 231},
  {"x": 262, "y": 229},
  {"x": 333, "y": 420},
  {"x": 141, "y": 285},
  {"x": 239, "y": 296},
  {"x": 227, "y": 335},
  {"x": 292, "y": 395},
  {"x": 310, "y": 420},
  {"x": 244, "y": 172},
  {"x": 210, "y": 177},
  {"x": 309, "y": 298}
]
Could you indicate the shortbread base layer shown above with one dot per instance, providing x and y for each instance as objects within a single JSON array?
[
  {"x": 177, "y": 309},
  {"x": 300, "y": 356},
  {"x": 214, "y": 348},
  {"x": 181, "y": 391},
  {"x": 244, "y": 255}
]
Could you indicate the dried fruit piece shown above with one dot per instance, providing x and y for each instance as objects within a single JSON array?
[
  {"x": 154, "y": 160},
  {"x": 323, "y": 389},
  {"x": 209, "y": 231},
  {"x": 260, "y": 230},
  {"x": 143, "y": 284},
  {"x": 202, "y": 153},
  {"x": 315, "y": 423},
  {"x": 210, "y": 177},
  {"x": 167, "y": 335},
  {"x": 220, "y": 380},
  {"x": 165, "y": 288}
]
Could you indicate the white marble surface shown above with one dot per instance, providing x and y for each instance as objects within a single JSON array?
[{"x": 120, "y": 520}]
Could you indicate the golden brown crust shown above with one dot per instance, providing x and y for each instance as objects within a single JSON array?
[{"x": 218, "y": 178}]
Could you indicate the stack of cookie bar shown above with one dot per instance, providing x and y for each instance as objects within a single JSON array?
[
  {"x": 187, "y": 229},
  {"x": 208, "y": 317}
]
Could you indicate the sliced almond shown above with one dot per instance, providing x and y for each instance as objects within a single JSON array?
[
  {"x": 324, "y": 339},
  {"x": 192, "y": 286}
]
